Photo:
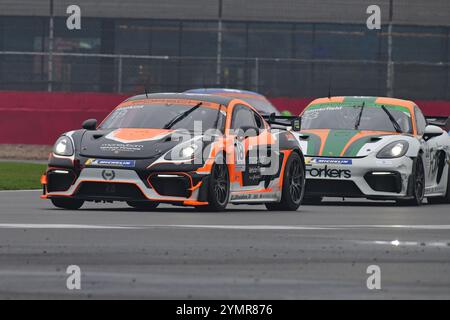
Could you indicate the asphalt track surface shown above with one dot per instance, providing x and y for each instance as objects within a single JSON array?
[{"x": 318, "y": 252}]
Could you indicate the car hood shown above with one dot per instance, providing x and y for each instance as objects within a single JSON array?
[
  {"x": 342, "y": 143},
  {"x": 126, "y": 143}
]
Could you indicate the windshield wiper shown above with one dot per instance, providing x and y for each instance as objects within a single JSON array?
[
  {"x": 181, "y": 116},
  {"x": 358, "y": 122},
  {"x": 394, "y": 122},
  {"x": 216, "y": 123}
]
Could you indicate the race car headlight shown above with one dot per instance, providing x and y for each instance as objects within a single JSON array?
[
  {"x": 63, "y": 147},
  {"x": 186, "y": 152},
  {"x": 395, "y": 149}
]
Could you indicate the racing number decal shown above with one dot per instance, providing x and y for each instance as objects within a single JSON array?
[{"x": 239, "y": 151}]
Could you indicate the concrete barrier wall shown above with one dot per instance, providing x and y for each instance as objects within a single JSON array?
[{"x": 40, "y": 117}]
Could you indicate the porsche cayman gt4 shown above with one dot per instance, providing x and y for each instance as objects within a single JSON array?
[
  {"x": 377, "y": 148},
  {"x": 184, "y": 149}
]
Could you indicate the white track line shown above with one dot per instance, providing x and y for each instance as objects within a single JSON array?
[
  {"x": 222, "y": 227},
  {"x": 32, "y": 190},
  {"x": 58, "y": 226},
  {"x": 305, "y": 227}
]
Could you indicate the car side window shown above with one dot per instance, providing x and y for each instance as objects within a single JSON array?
[
  {"x": 258, "y": 121},
  {"x": 242, "y": 117},
  {"x": 421, "y": 122}
]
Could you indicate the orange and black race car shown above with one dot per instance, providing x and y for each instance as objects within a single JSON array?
[{"x": 185, "y": 149}]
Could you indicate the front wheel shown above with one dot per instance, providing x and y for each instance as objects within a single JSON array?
[
  {"x": 416, "y": 186},
  {"x": 293, "y": 187},
  {"x": 68, "y": 204},
  {"x": 219, "y": 188}
]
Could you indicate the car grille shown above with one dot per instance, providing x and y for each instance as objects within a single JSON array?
[
  {"x": 57, "y": 182},
  {"x": 109, "y": 191},
  {"x": 332, "y": 188},
  {"x": 391, "y": 182}
]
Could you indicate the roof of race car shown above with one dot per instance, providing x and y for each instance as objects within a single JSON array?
[
  {"x": 224, "y": 91},
  {"x": 188, "y": 96},
  {"x": 367, "y": 100}
]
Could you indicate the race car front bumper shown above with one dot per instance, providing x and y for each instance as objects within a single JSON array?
[
  {"x": 106, "y": 184},
  {"x": 367, "y": 177}
]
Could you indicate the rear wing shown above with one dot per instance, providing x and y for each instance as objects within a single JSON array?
[
  {"x": 443, "y": 122},
  {"x": 294, "y": 122}
]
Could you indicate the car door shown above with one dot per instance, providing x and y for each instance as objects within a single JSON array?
[
  {"x": 430, "y": 148},
  {"x": 248, "y": 134}
]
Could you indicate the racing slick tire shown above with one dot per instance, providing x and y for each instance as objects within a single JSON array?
[
  {"x": 68, "y": 204},
  {"x": 416, "y": 187},
  {"x": 446, "y": 198},
  {"x": 219, "y": 188},
  {"x": 293, "y": 187},
  {"x": 148, "y": 205}
]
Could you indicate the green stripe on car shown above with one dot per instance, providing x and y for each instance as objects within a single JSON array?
[{"x": 336, "y": 141}]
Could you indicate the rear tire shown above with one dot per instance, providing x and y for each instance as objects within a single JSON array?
[
  {"x": 417, "y": 187},
  {"x": 140, "y": 205},
  {"x": 68, "y": 204},
  {"x": 219, "y": 188},
  {"x": 293, "y": 187},
  {"x": 446, "y": 198}
]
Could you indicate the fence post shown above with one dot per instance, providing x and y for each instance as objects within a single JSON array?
[
  {"x": 50, "y": 49},
  {"x": 390, "y": 62},
  {"x": 257, "y": 74},
  {"x": 119, "y": 74},
  {"x": 219, "y": 45}
]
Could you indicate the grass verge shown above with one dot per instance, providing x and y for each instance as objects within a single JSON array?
[{"x": 20, "y": 176}]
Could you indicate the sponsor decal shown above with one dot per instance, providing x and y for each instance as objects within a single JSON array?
[
  {"x": 437, "y": 189},
  {"x": 329, "y": 173},
  {"x": 117, "y": 148},
  {"x": 254, "y": 196},
  {"x": 108, "y": 175},
  {"x": 111, "y": 163},
  {"x": 331, "y": 161}
]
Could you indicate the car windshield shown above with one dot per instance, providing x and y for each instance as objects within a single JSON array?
[
  {"x": 158, "y": 116},
  {"x": 346, "y": 117}
]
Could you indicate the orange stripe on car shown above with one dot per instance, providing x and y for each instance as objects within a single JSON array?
[
  {"x": 322, "y": 134},
  {"x": 327, "y": 100},
  {"x": 286, "y": 153},
  {"x": 138, "y": 134},
  {"x": 360, "y": 135},
  {"x": 205, "y": 104}
]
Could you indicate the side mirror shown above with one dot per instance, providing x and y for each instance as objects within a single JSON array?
[
  {"x": 296, "y": 124},
  {"x": 432, "y": 132},
  {"x": 90, "y": 124}
]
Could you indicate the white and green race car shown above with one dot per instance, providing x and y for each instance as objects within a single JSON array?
[{"x": 375, "y": 148}]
